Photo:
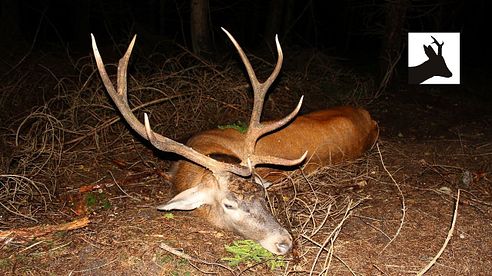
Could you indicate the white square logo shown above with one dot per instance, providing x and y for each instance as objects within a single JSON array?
[{"x": 434, "y": 58}]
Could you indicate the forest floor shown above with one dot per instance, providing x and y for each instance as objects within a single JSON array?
[{"x": 387, "y": 213}]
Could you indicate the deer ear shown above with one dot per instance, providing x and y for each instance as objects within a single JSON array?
[
  {"x": 189, "y": 199},
  {"x": 429, "y": 51}
]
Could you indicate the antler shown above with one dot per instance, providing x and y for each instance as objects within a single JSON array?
[
  {"x": 439, "y": 46},
  {"x": 119, "y": 96},
  {"x": 256, "y": 129}
]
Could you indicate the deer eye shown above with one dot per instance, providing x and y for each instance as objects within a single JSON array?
[{"x": 230, "y": 205}]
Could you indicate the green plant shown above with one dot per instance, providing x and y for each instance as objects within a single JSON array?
[
  {"x": 91, "y": 200},
  {"x": 248, "y": 251},
  {"x": 239, "y": 126},
  {"x": 168, "y": 215},
  {"x": 178, "y": 265},
  {"x": 95, "y": 200}
]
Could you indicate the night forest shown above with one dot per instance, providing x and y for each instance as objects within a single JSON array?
[{"x": 79, "y": 187}]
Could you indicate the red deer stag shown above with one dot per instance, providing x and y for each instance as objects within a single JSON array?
[{"x": 224, "y": 191}]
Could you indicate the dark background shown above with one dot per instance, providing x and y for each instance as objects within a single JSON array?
[
  {"x": 49, "y": 36},
  {"x": 59, "y": 128},
  {"x": 354, "y": 29}
]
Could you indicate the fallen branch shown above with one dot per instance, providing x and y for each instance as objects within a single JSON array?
[
  {"x": 41, "y": 230},
  {"x": 448, "y": 238},
  {"x": 403, "y": 206}
]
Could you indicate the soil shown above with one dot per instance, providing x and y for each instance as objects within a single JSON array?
[{"x": 433, "y": 142}]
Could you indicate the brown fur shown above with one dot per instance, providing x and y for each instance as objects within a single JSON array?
[
  {"x": 330, "y": 136},
  {"x": 224, "y": 197}
]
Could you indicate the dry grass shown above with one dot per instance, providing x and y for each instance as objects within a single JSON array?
[
  {"x": 73, "y": 135},
  {"x": 184, "y": 94},
  {"x": 316, "y": 207}
]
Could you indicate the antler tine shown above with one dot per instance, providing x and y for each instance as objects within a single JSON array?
[
  {"x": 259, "y": 88},
  {"x": 256, "y": 129},
  {"x": 439, "y": 46},
  {"x": 119, "y": 96},
  {"x": 273, "y": 160},
  {"x": 435, "y": 41}
]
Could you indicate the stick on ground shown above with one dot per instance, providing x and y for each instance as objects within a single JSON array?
[{"x": 41, "y": 230}]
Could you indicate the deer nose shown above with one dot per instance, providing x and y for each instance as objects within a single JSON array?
[{"x": 283, "y": 247}]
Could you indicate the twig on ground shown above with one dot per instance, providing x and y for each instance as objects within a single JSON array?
[
  {"x": 93, "y": 268},
  {"x": 345, "y": 264},
  {"x": 403, "y": 206},
  {"x": 183, "y": 255},
  {"x": 330, "y": 239},
  {"x": 41, "y": 230},
  {"x": 448, "y": 238},
  {"x": 121, "y": 189}
]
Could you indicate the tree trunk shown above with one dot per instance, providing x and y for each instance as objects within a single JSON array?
[
  {"x": 274, "y": 20},
  {"x": 392, "y": 40},
  {"x": 200, "y": 30}
]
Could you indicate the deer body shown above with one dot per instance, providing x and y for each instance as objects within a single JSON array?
[
  {"x": 329, "y": 136},
  {"x": 217, "y": 176}
]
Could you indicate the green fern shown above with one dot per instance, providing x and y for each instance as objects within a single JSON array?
[{"x": 248, "y": 252}]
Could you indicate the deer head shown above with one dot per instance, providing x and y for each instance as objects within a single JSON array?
[
  {"x": 228, "y": 190},
  {"x": 434, "y": 66}
]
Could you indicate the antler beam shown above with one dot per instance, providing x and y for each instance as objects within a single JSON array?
[
  {"x": 256, "y": 129},
  {"x": 119, "y": 96}
]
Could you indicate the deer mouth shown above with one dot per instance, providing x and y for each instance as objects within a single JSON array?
[{"x": 279, "y": 244}]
